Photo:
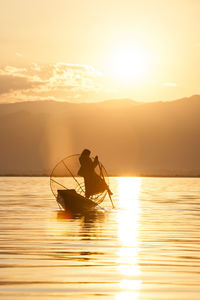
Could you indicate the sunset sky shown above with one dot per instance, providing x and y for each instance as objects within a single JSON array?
[{"x": 91, "y": 50}]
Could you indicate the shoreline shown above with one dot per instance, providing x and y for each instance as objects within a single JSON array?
[{"x": 128, "y": 175}]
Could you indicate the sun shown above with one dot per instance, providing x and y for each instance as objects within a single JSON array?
[{"x": 129, "y": 64}]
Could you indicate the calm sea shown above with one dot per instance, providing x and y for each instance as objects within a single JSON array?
[{"x": 147, "y": 248}]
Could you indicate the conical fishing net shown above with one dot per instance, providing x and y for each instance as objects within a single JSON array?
[{"x": 65, "y": 176}]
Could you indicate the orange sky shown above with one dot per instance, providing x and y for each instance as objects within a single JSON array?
[{"x": 91, "y": 50}]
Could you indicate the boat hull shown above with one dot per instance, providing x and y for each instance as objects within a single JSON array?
[{"x": 72, "y": 201}]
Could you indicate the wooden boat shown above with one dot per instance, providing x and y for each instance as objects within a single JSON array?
[{"x": 74, "y": 202}]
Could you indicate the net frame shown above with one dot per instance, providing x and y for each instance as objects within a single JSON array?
[{"x": 78, "y": 181}]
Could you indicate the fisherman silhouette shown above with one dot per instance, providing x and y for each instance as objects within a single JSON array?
[{"x": 94, "y": 184}]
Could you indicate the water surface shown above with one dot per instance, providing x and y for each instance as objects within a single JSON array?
[{"x": 146, "y": 248}]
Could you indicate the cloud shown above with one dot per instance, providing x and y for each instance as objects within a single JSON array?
[
  {"x": 10, "y": 83},
  {"x": 59, "y": 81},
  {"x": 170, "y": 84},
  {"x": 10, "y": 70},
  {"x": 15, "y": 79},
  {"x": 19, "y": 54}
]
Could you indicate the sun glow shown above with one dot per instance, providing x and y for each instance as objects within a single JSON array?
[
  {"x": 130, "y": 64},
  {"x": 129, "y": 190}
]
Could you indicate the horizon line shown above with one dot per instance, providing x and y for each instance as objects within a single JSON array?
[{"x": 100, "y": 101}]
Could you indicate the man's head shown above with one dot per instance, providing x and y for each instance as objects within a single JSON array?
[{"x": 86, "y": 152}]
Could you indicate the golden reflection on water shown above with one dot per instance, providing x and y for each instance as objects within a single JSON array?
[{"x": 128, "y": 218}]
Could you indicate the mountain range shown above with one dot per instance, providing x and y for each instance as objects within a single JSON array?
[{"x": 130, "y": 138}]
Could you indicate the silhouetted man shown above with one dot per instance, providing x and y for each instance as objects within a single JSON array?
[{"x": 94, "y": 184}]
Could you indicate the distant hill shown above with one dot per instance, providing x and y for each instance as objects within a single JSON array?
[{"x": 160, "y": 138}]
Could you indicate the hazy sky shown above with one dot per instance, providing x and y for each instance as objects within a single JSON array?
[{"x": 89, "y": 50}]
